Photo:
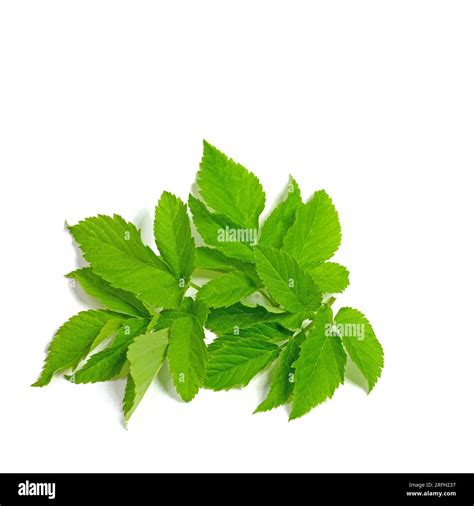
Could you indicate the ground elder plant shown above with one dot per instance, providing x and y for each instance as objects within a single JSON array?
[{"x": 264, "y": 288}]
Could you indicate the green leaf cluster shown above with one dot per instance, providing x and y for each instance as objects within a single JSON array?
[{"x": 267, "y": 297}]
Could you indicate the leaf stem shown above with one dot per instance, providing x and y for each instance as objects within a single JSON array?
[
  {"x": 269, "y": 298},
  {"x": 193, "y": 285},
  {"x": 152, "y": 323},
  {"x": 308, "y": 326},
  {"x": 328, "y": 303}
]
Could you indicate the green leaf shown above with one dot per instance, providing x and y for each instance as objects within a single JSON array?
[
  {"x": 319, "y": 369},
  {"x": 330, "y": 277},
  {"x": 128, "y": 402},
  {"x": 112, "y": 298},
  {"x": 229, "y": 188},
  {"x": 146, "y": 356},
  {"x": 147, "y": 316},
  {"x": 286, "y": 281},
  {"x": 238, "y": 316},
  {"x": 281, "y": 218},
  {"x": 188, "y": 307},
  {"x": 117, "y": 254},
  {"x": 197, "y": 309},
  {"x": 187, "y": 356},
  {"x": 212, "y": 259},
  {"x": 226, "y": 289},
  {"x": 173, "y": 235},
  {"x": 108, "y": 363},
  {"x": 294, "y": 321},
  {"x": 216, "y": 230},
  {"x": 282, "y": 383},
  {"x": 360, "y": 342},
  {"x": 271, "y": 332},
  {"x": 237, "y": 361},
  {"x": 221, "y": 341},
  {"x": 74, "y": 340},
  {"x": 316, "y": 233}
]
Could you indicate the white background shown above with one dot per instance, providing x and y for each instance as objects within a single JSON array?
[{"x": 103, "y": 105}]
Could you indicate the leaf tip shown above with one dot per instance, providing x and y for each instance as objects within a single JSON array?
[{"x": 43, "y": 379}]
